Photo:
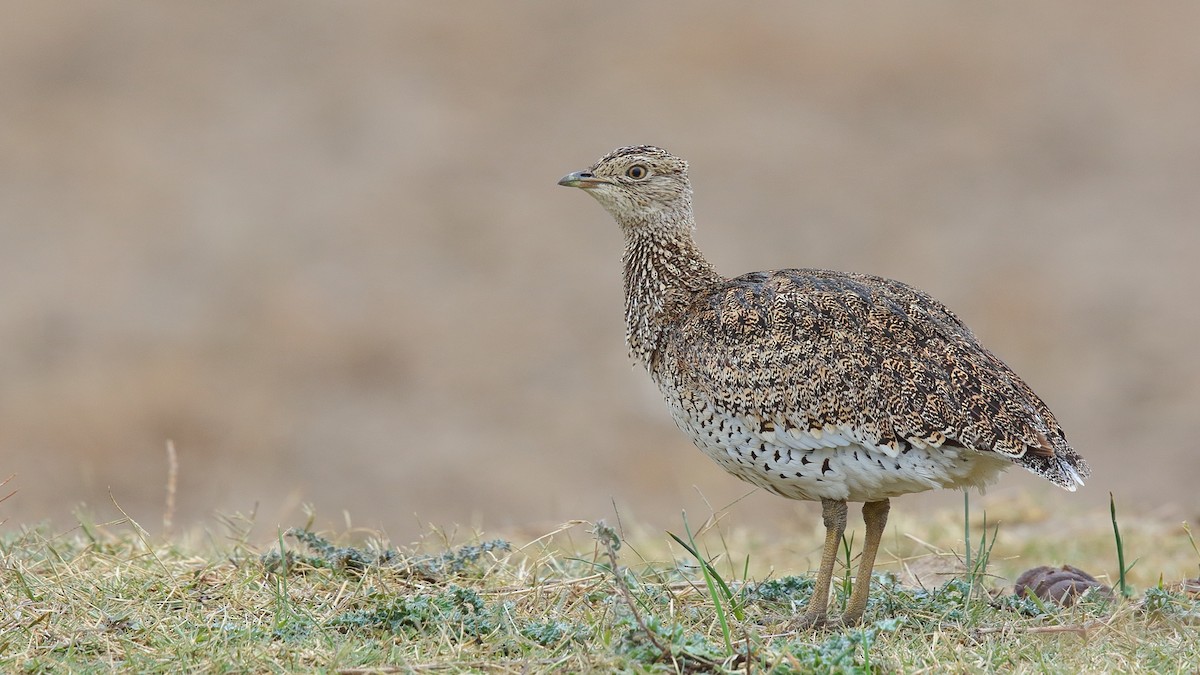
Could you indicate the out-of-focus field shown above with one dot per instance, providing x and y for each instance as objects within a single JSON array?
[{"x": 320, "y": 247}]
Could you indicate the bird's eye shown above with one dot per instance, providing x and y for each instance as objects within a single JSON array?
[{"x": 637, "y": 172}]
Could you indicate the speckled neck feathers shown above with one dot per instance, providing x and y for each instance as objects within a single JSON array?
[{"x": 663, "y": 271}]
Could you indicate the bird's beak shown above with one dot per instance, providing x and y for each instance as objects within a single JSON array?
[{"x": 581, "y": 179}]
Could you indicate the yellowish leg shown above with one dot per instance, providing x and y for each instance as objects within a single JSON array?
[
  {"x": 875, "y": 515},
  {"x": 833, "y": 512}
]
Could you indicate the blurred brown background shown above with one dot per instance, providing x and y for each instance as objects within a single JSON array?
[{"x": 320, "y": 245}]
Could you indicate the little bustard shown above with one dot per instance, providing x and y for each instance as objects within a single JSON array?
[{"x": 814, "y": 384}]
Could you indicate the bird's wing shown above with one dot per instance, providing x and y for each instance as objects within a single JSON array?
[{"x": 872, "y": 357}]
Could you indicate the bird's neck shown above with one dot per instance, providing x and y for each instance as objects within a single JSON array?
[{"x": 663, "y": 272}]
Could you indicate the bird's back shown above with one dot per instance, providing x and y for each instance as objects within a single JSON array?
[{"x": 855, "y": 369}]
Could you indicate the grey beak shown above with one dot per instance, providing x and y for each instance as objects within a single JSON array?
[{"x": 580, "y": 179}]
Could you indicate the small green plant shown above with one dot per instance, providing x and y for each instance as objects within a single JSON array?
[
  {"x": 551, "y": 632},
  {"x": 648, "y": 639},
  {"x": 5, "y": 497},
  {"x": 976, "y": 560},
  {"x": 967, "y": 526},
  {"x": 839, "y": 653},
  {"x": 1172, "y": 604},
  {"x": 720, "y": 592},
  {"x": 847, "y": 584},
  {"x": 790, "y": 589},
  {"x": 459, "y": 610},
  {"x": 1192, "y": 541},
  {"x": 1126, "y": 591},
  {"x": 355, "y": 560}
]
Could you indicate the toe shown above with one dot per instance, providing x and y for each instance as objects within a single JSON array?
[
  {"x": 846, "y": 620},
  {"x": 808, "y": 620}
]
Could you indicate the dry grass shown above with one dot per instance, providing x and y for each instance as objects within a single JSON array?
[{"x": 110, "y": 596}]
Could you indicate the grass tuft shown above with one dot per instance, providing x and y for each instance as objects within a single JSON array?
[
  {"x": 107, "y": 596},
  {"x": 1122, "y": 570},
  {"x": 713, "y": 581}
]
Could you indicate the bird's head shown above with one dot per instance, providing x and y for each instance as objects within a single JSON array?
[{"x": 641, "y": 186}]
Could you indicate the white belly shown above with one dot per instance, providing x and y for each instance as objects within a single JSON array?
[{"x": 830, "y": 464}]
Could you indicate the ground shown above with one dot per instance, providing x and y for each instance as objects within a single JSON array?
[{"x": 590, "y": 597}]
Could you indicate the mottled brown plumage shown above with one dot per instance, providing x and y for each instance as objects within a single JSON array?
[{"x": 815, "y": 384}]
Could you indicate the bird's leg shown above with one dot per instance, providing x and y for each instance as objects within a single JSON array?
[
  {"x": 875, "y": 516},
  {"x": 833, "y": 512}
]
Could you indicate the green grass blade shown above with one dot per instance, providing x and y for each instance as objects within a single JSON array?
[
  {"x": 726, "y": 591},
  {"x": 1192, "y": 541},
  {"x": 967, "y": 526},
  {"x": 1124, "y": 587},
  {"x": 712, "y": 581}
]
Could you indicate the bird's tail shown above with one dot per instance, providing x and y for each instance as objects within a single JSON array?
[{"x": 1063, "y": 466}]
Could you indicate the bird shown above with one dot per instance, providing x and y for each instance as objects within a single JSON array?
[{"x": 814, "y": 384}]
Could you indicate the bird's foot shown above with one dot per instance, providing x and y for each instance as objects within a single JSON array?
[
  {"x": 822, "y": 621},
  {"x": 807, "y": 621},
  {"x": 846, "y": 620}
]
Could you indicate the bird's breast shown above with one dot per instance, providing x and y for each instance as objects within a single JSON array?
[{"x": 828, "y": 463}]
